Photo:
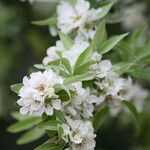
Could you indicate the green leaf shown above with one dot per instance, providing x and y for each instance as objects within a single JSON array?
[
  {"x": 63, "y": 95},
  {"x": 16, "y": 87},
  {"x": 60, "y": 131},
  {"x": 30, "y": 136},
  {"x": 60, "y": 116},
  {"x": 99, "y": 37},
  {"x": 51, "y": 21},
  {"x": 105, "y": 9},
  {"x": 126, "y": 51},
  {"x": 84, "y": 68},
  {"x": 109, "y": 44},
  {"x": 114, "y": 18},
  {"x": 64, "y": 62},
  {"x": 50, "y": 145},
  {"x": 122, "y": 67},
  {"x": 24, "y": 125},
  {"x": 77, "y": 78},
  {"x": 99, "y": 118},
  {"x": 60, "y": 134},
  {"x": 84, "y": 58},
  {"x": 40, "y": 66},
  {"x": 67, "y": 41},
  {"x": 137, "y": 35},
  {"x": 141, "y": 73},
  {"x": 16, "y": 115},
  {"x": 132, "y": 108},
  {"x": 49, "y": 125},
  {"x": 142, "y": 52},
  {"x": 61, "y": 87}
]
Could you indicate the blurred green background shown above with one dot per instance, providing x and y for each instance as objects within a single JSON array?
[{"x": 21, "y": 46}]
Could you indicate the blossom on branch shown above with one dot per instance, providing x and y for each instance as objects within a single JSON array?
[{"x": 38, "y": 93}]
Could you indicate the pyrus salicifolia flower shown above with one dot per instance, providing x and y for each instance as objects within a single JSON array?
[
  {"x": 83, "y": 104},
  {"x": 58, "y": 51},
  {"x": 80, "y": 133},
  {"x": 38, "y": 93},
  {"x": 79, "y": 17},
  {"x": 53, "y": 52},
  {"x": 109, "y": 84}
]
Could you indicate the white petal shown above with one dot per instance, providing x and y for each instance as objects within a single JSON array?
[
  {"x": 82, "y": 6},
  {"x": 24, "y": 110},
  {"x": 49, "y": 110},
  {"x": 105, "y": 65},
  {"x": 56, "y": 104},
  {"x": 66, "y": 129}
]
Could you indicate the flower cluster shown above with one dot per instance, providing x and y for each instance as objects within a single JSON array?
[
  {"x": 77, "y": 82},
  {"x": 38, "y": 93},
  {"x": 79, "y": 17},
  {"x": 80, "y": 134},
  {"x": 113, "y": 88}
]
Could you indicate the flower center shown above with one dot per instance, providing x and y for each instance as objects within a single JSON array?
[
  {"x": 74, "y": 133},
  {"x": 88, "y": 26},
  {"x": 41, "y": 88},
  {"x": 123, "y": 92},
  {"x": 108, "y": 99},
  {"x": 76, "y": 18},
  {"x": 47, "y": 102}
]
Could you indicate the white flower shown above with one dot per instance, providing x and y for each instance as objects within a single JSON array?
[
  {"x": 79, "y": 17},
  {"x": 38, "y": 93},
  {"x": 111, "y": 84},
  {"x": 104, "y": 68},
  {"x": 82, "y": 104},
  {"x": 52, "y": 52},
  {"x": 138, "y": 95},
  {"x": 80, "y": 134},
  {"x": 87, "y": 144},
  {"x": 58, "y": 51},
  {"x": 96, "y": 57},
  {"x": 73, "y": 54},
  {"x": 113, "y": 88},
  {"x": 134, "y": 16}
]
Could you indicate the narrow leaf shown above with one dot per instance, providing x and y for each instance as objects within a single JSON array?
[
  {"x": 141, "y": 73},
  {"x": 84, "y": 58},
  {"x": 49, "y": 125},
  {"x": 51, "y": 21},
  {"x": 67, "y": 41},
  {"x": 132, "y": 108},
  {"x": 122, "y": 67},
  {"x": 64, "y": 62},
  {"x": 137, "y": 35},
  {"x": 16, "y": 115},
  {"x": 49, "y": 145},
  {"x": 30, "y": 136},
  {"x": 109, "y": 45},
  {"x": 16, "y": 87},
  {"x": 142, "y": 52},
  {"x": 77, "y": 78},
  {"x": 40, "y": 66},
  {"x": 99, "y": 36},
  {"x": 105, "y": 9},
  {"x": 83, "y": 68},
  {"x": 24, "y": 125},
  {"x": 99, "y": 118},
  {"x": 60, "y": 116}
]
